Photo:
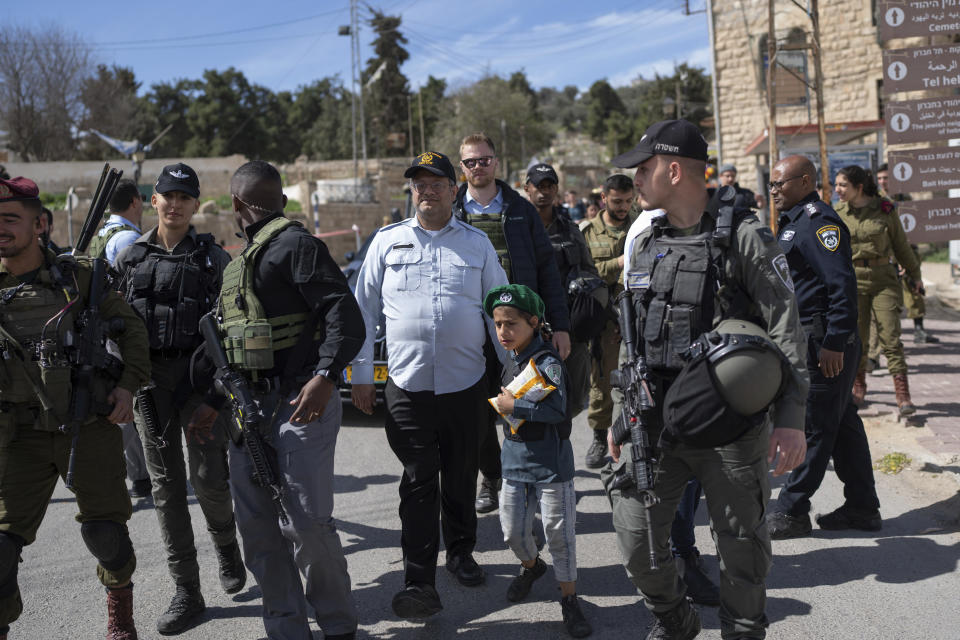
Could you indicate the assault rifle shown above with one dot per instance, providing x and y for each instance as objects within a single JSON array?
[
  {"x": 247, "y": 415},
  {"x": 89, "y": 354},
  {"x": 631, "y": 426}
]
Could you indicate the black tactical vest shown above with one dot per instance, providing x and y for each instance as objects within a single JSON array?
[
  {"x": 529, "y": 430},
  {"x": 565, "y": 250},
  {"x": 171, "y": 291},
  {"x": 680, "y": 287}
]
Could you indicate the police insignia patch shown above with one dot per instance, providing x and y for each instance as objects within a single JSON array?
[
  {"x": 829, "y": 236},
  {"x": 811, "y": 209},
  {"x": 554, "y": 372},
  {"x": 782, "y": 268},
  {"x": 506, "y": 297},
  {"x": 426, "y": 157},
  {"x": 788, "y": 235}
]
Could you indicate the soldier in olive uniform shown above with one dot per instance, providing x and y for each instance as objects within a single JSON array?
[
  {"x": 41, "y": 298},
  {"x": 606, "y": 236},
  {"x": 913, "y": 301},
  {"x": 879, "y": 244},
  {"x": 171, "y": 276},
  {"x": 692, "y": 268},
  {"x": 573, "y": 260}
]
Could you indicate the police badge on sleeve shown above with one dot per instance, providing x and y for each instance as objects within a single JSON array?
[
  {"x": 782, "y": 268},
  {"x": 829, "y": 236}
]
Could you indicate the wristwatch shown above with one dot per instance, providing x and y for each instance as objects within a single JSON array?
[{"x": 328, "y": 374}]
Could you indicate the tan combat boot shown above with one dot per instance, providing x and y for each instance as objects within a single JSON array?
[
  {"x": 859, "y": 388},
  {"x": 120, "y": 614},
  {"x": 902, "y": 388}
]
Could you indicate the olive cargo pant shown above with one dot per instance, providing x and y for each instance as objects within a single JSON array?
[
  {"x": 600, "y": 413},
  {"x": 209, "y": 473},
  {"x": 734, "y": 479},
  {"x": 880, "y": 295},
  {"x": 31, "y": 462}
]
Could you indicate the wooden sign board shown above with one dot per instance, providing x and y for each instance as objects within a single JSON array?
[
  {"x": 926, "y": 120},
  {"x": 921, "y": 68},
  {"x": 936, "y": 220},
  {"x": 908, "y": 18},
  {"x": 924, "y": 169}
]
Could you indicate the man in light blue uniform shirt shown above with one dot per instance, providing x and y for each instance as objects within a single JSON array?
[
  {"x": 120, "y": 230},
  {"x": 427, "y": 275}
]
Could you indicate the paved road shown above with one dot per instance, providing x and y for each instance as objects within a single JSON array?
[{"x": 902, "y": 584}]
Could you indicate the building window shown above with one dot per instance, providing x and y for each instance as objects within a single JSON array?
[{"x": 791, "y": 76}]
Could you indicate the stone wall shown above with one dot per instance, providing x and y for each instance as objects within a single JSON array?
[{"x": 852, "y": 66}]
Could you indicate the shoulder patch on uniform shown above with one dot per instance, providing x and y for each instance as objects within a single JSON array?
[
  {"x": 782, "y": 268},
  {"x": 554, "y": 372},
  {"x": 305, "y": 259},
  {"x": 829, "y": 236},
  {"x": 788, "y": 235},
  {"x": 765, "y": 234},
  {"x": 886, "y": 206},
  {"x": 811, "y": 209}
]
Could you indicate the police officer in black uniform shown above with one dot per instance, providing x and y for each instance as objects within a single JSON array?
[
  {"x": 817, "y": 245},
  {"x": 171, "y": 276},
  {"x": 574, "y": 262}
]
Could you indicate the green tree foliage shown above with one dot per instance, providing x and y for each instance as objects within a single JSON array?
[
  {"x": 320, "y": 118},
  {"x": 385, "y": 98},
  {"x": 510, "y": 120},
  {"x": 434, "y": 109},
  {"x": 602, "y": 103},
  {"x": 111, "y": 107},
  {"x": 656, "y": 99},
  {"x": 166, "y": 104},
  {"x": 561, "y": 109}
]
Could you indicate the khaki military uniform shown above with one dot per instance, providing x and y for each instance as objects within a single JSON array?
[
  {"x": 34, "y": 453},
  {"x": 879, "y": 243},
  {"x": 606, "y": 245},
  {"x": 734, "y": 476}
]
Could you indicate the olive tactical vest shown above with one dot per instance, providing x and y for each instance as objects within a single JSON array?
[
  {"x": 249, "y": 336},
  {"x": 38, "y": 323},
  {"x": 529, "y": 430},
  {"x": 171, "y": 291},
  {"x": 98, "y": 244},
  {"x": 492, "y": 225},
  {"x": 680, "y": 288}
]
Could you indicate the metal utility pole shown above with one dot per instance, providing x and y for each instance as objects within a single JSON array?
[
  {"x": 818, "y": 88},
  {"x": 355, "y": 34},
  {"x": 348, "y": 31},
  {"x": 423, "y": 144},
  {"x": 771, "y": 101},
  {"x": 410, "y": 123},
  {"x": 715, "y": 83}
]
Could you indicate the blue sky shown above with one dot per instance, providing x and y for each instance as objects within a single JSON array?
[{"x": 283, "y": 44}]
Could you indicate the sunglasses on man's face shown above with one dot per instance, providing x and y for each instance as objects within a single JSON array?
[{"x": 483, "y": 161}]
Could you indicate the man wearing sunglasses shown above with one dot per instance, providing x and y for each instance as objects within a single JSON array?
[{"x": 526, "y": 254}]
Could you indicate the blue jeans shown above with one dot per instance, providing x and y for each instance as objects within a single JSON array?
[{"x": 558, "y": 508}]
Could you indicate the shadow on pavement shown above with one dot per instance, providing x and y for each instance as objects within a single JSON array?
[
  {"x": 365, "y": 537},
  {"x": 351, "y": 484}
]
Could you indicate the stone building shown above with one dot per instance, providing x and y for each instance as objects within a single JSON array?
[{"x": 852, "y": 70}]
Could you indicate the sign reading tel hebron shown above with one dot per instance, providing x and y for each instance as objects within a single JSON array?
[
  {"x": 924, "y": 169},
  {"x": 906, "y": 18},
  {"x": 936, "y": 220},
  {"x": 920, "y": 68},
  {"x": 925, "y": 120}
]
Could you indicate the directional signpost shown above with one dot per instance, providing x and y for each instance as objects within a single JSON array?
[
  {"x": 926, "y": 120},
  {"x": 921, "y": 68},
  {"x": 924, "y": 169},
  {"x": 906, "y": 18},
  {"x": 935, "y": 220}
]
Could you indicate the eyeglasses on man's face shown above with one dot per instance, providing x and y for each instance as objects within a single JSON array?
[
  {"x": 434, "y": 187},
  {"x": 778, "y": 185},
  {"x": 483, "y": 161}
]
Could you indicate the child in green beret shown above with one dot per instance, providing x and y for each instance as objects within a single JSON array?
[{"x": 537, "y": 458}]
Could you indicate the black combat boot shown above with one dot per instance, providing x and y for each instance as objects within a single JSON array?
[
  {"x": 120, "y": 614},
  {"x": 573, "y": 618},
  {"x": 487, "y": 498},
  {"x": 597, "y": 453},
  {"x": 187, "y": 604},
  {"x": 783, "y": 526},
  {"x": 680, "y": 623},
  {"x": 700, "y": 588},
  {"x": 520, "y": 586},
  {"x": 233, "y": 575},
  {"x": 846, "y": 517}
]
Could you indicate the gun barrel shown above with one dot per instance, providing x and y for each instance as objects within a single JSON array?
[
  {"x": 628, "y": 328},
  {"x": 211, "y": 336},
  {"x": 101, "y": 198}
]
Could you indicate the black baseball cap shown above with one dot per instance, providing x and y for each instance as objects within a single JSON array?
[
  {"x": 540, "y": 172},
  {"x": 434, "y": 162},
  {"x": 667, "y": 137},
  {"x": 178, "y": 177}
]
